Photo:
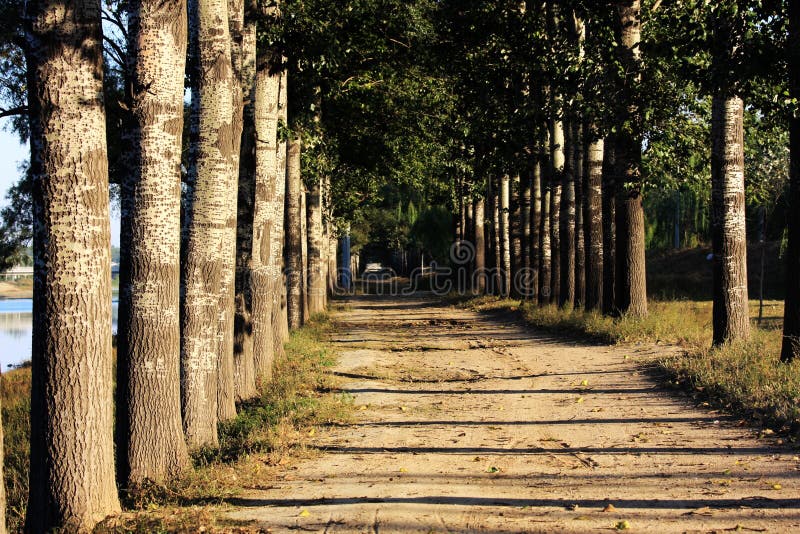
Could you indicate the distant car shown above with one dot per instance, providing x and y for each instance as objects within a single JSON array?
[{"x": 376, "y": 270}]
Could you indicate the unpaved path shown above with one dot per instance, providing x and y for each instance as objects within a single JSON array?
[{"x": 470, "y": 423}]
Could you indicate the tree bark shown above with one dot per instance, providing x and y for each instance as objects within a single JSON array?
[
  {"x": 515, "y": 230},
  {"x": 556, "y": 181},
  {"x": 294, "y": 236},
  {"x": 567, "y": 223},
  {"x": 505, "y": 235},
  {"x": 525, "y": 224},
  {"x": 536, "y": 231},
  {"x": 280, "y": 317},
  {"x": 316, "y": 279},
  {"x": 2, "y": 477},
  {"x": 609, "y": 223},
  {"x": 266, "y": 257},
  {"x": 791, "y": 322},
  {"x": 150, "y": 444},
  {"x": 72, "y": 409},
  {"x": 244, "y": 371},
  {"x": 497, "y": 284},
  {"x": 479, "y": 277},
  {"x": 304, "y": 248},
  {"x": 631, "y": 287},
  {"x": 580, "y": 252},
  {"x": 226, "y": 394},
  {"x": 545, "y": 248},
  {"x": 209, "y": 229},
  {"x": 731, "y": 319},
  {"x": 593, "y": 223}
]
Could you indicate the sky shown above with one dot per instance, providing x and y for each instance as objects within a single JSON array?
[{"x": 12, "y": 153}]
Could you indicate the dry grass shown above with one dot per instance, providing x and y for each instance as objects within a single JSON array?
[
  {"x": 744, "y": 378},
  {"x": 265, "y": 438}
]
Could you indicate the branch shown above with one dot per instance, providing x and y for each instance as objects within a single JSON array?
[{"x": 11, "y": 112}]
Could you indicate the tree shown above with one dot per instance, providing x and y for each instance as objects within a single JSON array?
[
  {"x": 209, "y": 226},
  {"x": 2, "y": 479},
  {"x": 315, "y": 286},
  {"x": 243, "y": 330},
  {"x": 480, "y": 245},
  {"x": 567, "y": 222},
  {"x": 731, "y": 317},
  {"x": 268, "y": 208},
  {"x": 505, "y": 237},
  {"x": 72, "y": 444},
  {"x": 609, "y": 225},
  {"x": 150, "y": 444},
  {"x": 791, "y": 322},
  {"x": 631, "y": 283},
  {"x": 592, "y": 221},
  {"x": 294, "y": 236}
]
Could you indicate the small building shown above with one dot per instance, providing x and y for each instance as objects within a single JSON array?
[{"x": 17, "y": 272}]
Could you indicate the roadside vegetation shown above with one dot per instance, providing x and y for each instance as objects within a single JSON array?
[{"x": 268, "y": 434}]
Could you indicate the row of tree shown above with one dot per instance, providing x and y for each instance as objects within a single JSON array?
[
  {"x": 575, "y": 98},
  {"x": 224, "y": 247}
]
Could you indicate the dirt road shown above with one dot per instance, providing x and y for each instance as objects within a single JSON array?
[{"x": 468, "y": 423}]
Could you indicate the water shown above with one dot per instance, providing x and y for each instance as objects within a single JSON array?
[{"x": 16, "y": 327}]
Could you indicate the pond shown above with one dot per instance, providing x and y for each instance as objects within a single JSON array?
[{"x": 16, "y": 327}]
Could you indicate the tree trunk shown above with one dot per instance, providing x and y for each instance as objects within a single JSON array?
[
  {"x": 244, "y": 372},
  {"x": 497, "y": 284},
  {"x": 280, "y": 317},
  {"x": 210, "y": 229},
  {"x": 2, "y": 477},
  {"x": 505, "y": 237},
  {"x": 72, "y": 407},
  {"x": 791, "y": 322},
  {"x": 515, "y": 229},
  {"x": 580, "y": 252},
  {"x": 304, "y": 248},
  {"x": 479, "y": 277},
  {"x": 294, "y": 236},
  {"x": 593, "y": 223},
  {"x": 266, "y": 257},
  {"x": 545, "y": 248},
  {"x": 536, "y": 231},
  {"x": 609, "y": 224},
  {"x": 316, "y": 280},
  {"x": 567, "y": 223},
  {"x": 525, "y": 224},
  {"x": 631, "y": 287},
  {"x": 729, "y": 239},
  {"x": 150, "y": 444},
  {"x": 556, "y": 181},
  {"x": 226, "y": 389}
]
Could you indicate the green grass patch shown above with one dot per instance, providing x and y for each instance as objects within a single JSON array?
[
  {"x": 267, "y": 433},
  {"x": 744, "y": 378}
]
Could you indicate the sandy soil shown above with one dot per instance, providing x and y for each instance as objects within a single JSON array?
[
  {"x": 471, "y": 423},
  {"x": 16, "y": 290}
]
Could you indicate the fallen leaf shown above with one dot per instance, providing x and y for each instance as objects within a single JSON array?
[
  {"x": 403, "y": 408},
  {"x": 403, "y": 470},
  {"x": 493, "y": 469},
  {"x": 777, "y": 487},
  {"x": 312, "y": 432},
  {"x": 610, "y": 508},
  {"x": 622, "y": 525},
  {"x": 362, "y": 407},
  {"x": 579, "y": 400},
  {"x": 305, "y": 513},
  {"x": 584, "y": 382}
]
